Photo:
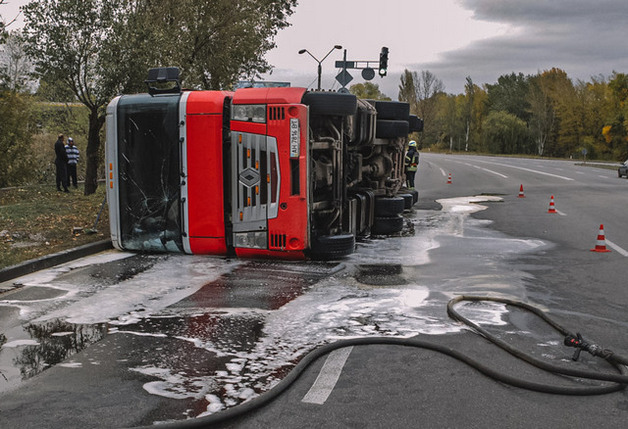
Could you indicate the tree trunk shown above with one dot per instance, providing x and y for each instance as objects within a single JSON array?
[{"x": 96, "y": 122}]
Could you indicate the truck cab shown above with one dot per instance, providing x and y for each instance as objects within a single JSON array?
[{"x": 255, "y": 172}]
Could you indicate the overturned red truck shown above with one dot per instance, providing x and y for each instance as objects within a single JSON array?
[{"x": 257, "y": 172}]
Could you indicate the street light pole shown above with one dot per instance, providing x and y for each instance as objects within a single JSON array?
[{"x": 320, "y": 67}]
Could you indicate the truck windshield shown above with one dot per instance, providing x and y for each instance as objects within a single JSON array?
[{"x": 149, "y": 173}]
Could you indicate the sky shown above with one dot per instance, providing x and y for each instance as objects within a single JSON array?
[{"x": 453, "y": 39}]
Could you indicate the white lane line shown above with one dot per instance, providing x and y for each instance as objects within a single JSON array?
[
  {"x": 490, "y": 171},
  {"x": 443, "y": 172},
  {"x": 529, "y": 170},
  {"x": 328, "y": 377},
  {"x": 617, "y": 248}
]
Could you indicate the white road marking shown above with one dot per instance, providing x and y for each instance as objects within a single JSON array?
[
  {"x": 529, "y": 170},
  {"x": 490, "y": 171},
  {"x": 443, "y": 172},
  {"x": 617, "y": 248},
  {"x": 328, "y": 377}
]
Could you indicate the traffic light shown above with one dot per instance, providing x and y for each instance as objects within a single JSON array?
[{"x": 383, "y": 61}]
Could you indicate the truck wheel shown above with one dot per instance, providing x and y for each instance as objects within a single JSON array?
[
  {"x": 331, "y": 103},
  {"x": 389, "y": 206},
  {"x": 415, "y": 195},
  {"x": 385, "y": 225},
  {"x": 391, "y": 109},
  {"x": 416, "y": 123},
  {"x": 389, "y": 129},
  {"x": 332, "y": 246},
  {"x": 408, "y": 200}
]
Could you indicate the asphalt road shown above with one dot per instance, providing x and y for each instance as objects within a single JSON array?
[{"x": 396, "y": 287}]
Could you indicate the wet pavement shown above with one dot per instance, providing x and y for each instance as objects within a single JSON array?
[{"x": 120, "y": 339}]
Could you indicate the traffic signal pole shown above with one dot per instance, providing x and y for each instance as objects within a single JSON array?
[{"x": 368, "y": 73}]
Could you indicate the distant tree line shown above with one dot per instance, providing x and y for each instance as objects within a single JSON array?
[{"x": 547, "y": 114}]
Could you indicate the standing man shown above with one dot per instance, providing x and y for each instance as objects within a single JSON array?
[
  {"x": 61, "y": 162},
  {"x": 411, "y": 163},
  {"x": 73, "y": 157}
]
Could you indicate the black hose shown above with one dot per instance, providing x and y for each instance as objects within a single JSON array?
[{"x": 619, "y": 381}]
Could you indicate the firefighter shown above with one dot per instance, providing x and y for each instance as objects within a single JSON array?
[{"x": 411, "y": 163}]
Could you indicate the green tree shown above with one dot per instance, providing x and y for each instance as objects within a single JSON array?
[
  {"x": 618, "y": 116},
  {"x": 100, "y": 49},
  {"x": 505, "y": 133},
  {"x": 64, "y": 39},
  {"x": 509, "y": 94},
  {"x": 213, "y": 42},
  {"x": 14, "y": 138},
  {"x": 368, "y": 91},
  {"x": 407, "y": 89}
]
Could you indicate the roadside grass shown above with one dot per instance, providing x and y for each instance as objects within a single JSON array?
[{"x": 37, "y": 220}]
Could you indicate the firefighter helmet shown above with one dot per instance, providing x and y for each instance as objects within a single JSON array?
[{"x": 412, "y": 143}]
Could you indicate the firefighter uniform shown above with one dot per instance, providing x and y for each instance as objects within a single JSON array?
[{"x": 411, "y": 164}]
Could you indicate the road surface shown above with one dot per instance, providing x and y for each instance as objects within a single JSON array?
[{"x": 122, "y": 340}]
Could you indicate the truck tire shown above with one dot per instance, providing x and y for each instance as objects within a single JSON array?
[
  {"x": 415, "y": 123},
  {"x": 331, "y": 103},
  {"x": 391, "y": 129},
  {"x": 328, "y": 247},
  {"x": 408, "y": 200},
  {"x": 385, "y": 225},
  {"x": 391, "y": 109},
  {"x": 415, "y": 195},
  {"x": 389, "y": 206}
]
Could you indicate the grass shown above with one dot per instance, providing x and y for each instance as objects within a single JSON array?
[{"x": 38, "y": 220}]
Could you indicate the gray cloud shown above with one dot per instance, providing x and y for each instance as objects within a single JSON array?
[{"x": 584, "y": 38}]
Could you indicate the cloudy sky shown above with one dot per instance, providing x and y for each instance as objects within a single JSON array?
[{"x": 453, "y": 39}]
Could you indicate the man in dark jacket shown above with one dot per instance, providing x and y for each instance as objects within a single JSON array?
[{"x": 61, "y": 162}]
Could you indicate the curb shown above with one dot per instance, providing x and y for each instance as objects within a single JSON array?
[{"x": 48, "y": 261}]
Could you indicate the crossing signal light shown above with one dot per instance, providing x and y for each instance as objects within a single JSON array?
[{"x": 383, "y": 61}]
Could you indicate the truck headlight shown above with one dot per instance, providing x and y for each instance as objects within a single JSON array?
[
  {"x": 252, "y": 239},
  {"x": 249, "y": 113}
]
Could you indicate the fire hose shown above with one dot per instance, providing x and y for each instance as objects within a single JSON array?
[{"x": 614, "y": 382}]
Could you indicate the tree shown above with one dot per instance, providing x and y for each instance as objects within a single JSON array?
[
  {"x": 505, "y": 133},
  {"x": 100, "y": 49},
  {"x": 368, "y": 90},
  {"x": 64, "y": 39},
  {"x": 407, "y": 89},
  {"x": 14, "y": 138},
  {"x": 213, "y": 42},
  {"x": 15, "y": 67},
  {"x": 420, "y": 90},
  {"x": 509, "y": 94}
]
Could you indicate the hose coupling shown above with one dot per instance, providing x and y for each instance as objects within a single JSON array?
[{"x": 579, "y": 343}]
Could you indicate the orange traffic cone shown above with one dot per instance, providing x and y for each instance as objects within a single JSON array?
[
  {"x": 552, "y": 208},
  {"x": 600, "y": 245},
  {"x": 521, "y": 192},
  {"x": 449, "y": 179}
]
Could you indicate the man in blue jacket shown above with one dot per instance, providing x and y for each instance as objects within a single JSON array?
[{"x": 73, "y": 157}]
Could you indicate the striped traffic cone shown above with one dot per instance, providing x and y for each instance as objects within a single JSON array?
[
  {"x": 449, "y": 179},
  {"x": 521, "y": 192},
  {"x": 552, "y": 208},
  {"x": 600, "y": 245}
]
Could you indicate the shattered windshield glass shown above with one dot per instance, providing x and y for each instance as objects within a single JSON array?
[{"x": 149, "y": 160}]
